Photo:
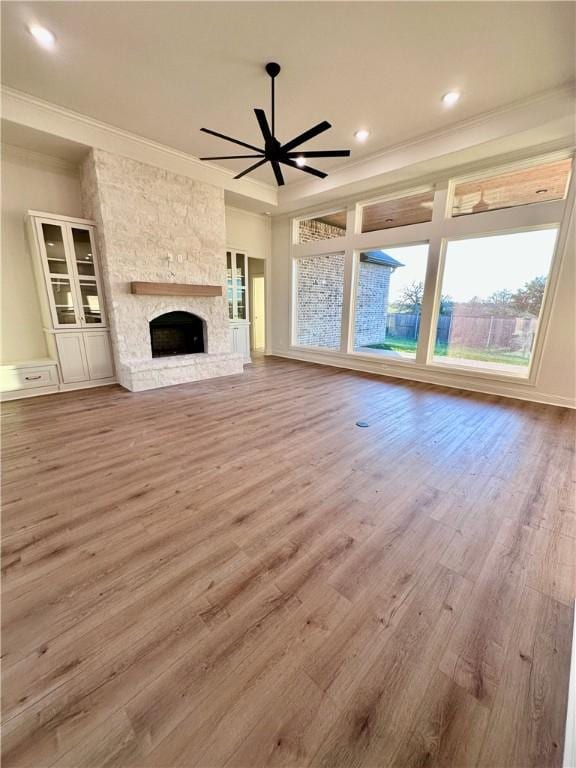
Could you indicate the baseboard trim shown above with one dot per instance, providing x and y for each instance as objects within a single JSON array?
[
  {"x": 21, "y": 394},
  {"x": 87, "y": 384},
  {"x": 483, "y": 386}
]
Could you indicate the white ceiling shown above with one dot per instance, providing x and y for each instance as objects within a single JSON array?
[{"x": 165, "y": 69}]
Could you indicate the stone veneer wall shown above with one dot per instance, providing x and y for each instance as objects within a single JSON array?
[{"x": 144, "y": 216}]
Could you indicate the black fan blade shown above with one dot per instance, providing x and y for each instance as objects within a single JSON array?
[
  {"x": 307, "y": 135},
  {"x": 229, "y": 157},
  {"x": 264, "y": 127},
  {"x": 234, "y": 141},
  {"x": 320, "y": 153},
  {"x": 277, "y": 172},
  {"x": 252, "y": 168},
  {"x": 305, "y": 168}
]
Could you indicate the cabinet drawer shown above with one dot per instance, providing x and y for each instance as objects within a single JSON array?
[{"x": 28, "y": 378}]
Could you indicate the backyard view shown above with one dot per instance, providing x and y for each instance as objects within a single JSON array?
[{"x": 492, "y": 294}]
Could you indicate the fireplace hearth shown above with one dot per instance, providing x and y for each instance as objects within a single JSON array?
[{"x": 177, "y": 333}]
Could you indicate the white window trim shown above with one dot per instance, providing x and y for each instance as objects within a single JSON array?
[
  {"x": 412, "y": 192},
  {"x": 500, "y": 170},
  {"x": 316, "y": 215},
  {"x": 438, "y": 232}
]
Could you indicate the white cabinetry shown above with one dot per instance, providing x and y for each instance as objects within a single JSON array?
[
  {"x": 34, "y": 377},
  {"x": 236, "y": 266},
  {"x": 240, "y": 332},
  {"x": 71, "y": 298}
]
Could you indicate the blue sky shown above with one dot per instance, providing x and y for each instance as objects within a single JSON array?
[{"x": 480, "y": 266}]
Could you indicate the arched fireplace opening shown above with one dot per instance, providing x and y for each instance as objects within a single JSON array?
[{"x": 177, "y": 333}]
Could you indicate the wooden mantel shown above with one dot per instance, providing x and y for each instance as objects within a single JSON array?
[{"x": 175, "y": 289}]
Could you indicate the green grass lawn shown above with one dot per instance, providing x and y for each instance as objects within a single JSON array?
[{"x": 466, "y": 353}]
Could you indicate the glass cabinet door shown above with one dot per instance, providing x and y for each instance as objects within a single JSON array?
[
  {"x": 236, "y": 285},
  {"x": 91, "y": 311},
  {"x": 89, "y": 288},
  {"x": 62, "y": 294},
  {"x": 229, "y": 285},
  {"x": 83, "y": 252},
  {"x": 241, "y": 286},
  {"x": 53, "y": 236},
  {"x": 71, "y": 273}
]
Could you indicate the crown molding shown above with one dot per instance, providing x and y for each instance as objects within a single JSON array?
[
  {"x": 496, "y": 124},
  {"x": 24, "y": 109},
  {"x": 29, "y": 157}
]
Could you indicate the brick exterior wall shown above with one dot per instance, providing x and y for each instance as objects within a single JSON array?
[
  {"x": 312, "y": 229},
  {"x": 320, "y": 287},
  {"x": 320, "y": 284},
  {"x": 371, "y": 304}
]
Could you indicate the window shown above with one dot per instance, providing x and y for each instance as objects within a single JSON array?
[
  {"x": 400, "y": 212},
  {"x": 322, "y": 228},
  {"x": 389, "y": 290},
  {"x": 492, "y": 292},
  {"x": 537, "y": 184},
  {"x": 319, "y": 292}
]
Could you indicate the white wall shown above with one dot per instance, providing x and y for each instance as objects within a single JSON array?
[
  {"x": 29, "y": 181},
  {"x": 249, "y": 231},
  {"x": 556, "y": 381}
]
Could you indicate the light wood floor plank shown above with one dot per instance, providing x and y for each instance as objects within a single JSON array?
[{"x": 232, "y": 574}]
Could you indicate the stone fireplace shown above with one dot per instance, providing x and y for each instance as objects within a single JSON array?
[
  {"x": 158, "y": 227},
  {"x": 177, "y": 333}
]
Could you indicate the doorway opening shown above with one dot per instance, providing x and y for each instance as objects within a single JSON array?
[{"x": 256, "y": 273}]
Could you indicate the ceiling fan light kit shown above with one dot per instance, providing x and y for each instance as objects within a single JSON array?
[{"x": 274, "y": 152}]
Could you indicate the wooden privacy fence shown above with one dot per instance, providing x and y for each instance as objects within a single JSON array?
[{"x": 478, "y": 331}]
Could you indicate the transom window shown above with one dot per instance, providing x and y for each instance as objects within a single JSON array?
[{"x": 536, "y": 184}]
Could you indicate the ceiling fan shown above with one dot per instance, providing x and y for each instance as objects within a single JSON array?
[{"x": 274, "y": 152}]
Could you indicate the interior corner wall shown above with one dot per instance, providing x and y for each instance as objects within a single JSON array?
[
  {"x": 249, "y": 231},
  {"x": 28, "y": 183}
]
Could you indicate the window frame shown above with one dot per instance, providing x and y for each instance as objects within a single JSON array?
[
  {"x": 500, "y": 170},
  {"x": 437, "y": 233},
  {"x": 355, "y": 275},
  {"x": 294, "y": 301},
  {"x": 433, "y": 364},
  {"x": 294, "y": 231},
  {"x": 414, "y": 191}
]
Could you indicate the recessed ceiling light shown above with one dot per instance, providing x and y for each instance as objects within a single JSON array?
[
  {"x": 450, "y": 98},
  {"x": 361, "y": 134},
  {"x": 300, "y": 162},
  {"x": 43, "y": 36}
]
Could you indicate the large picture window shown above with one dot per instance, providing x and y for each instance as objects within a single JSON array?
[
  {"x": 418, "y": 279},
  {"x": 319, "y": 293},
  {"x": 493, "y": 288},
  {"x": 389, "y": 291}
]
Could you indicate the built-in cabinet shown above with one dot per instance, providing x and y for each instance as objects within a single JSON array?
[
  {"x": 237, "y": 294},
  {"x": 71, "y": 298}
]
